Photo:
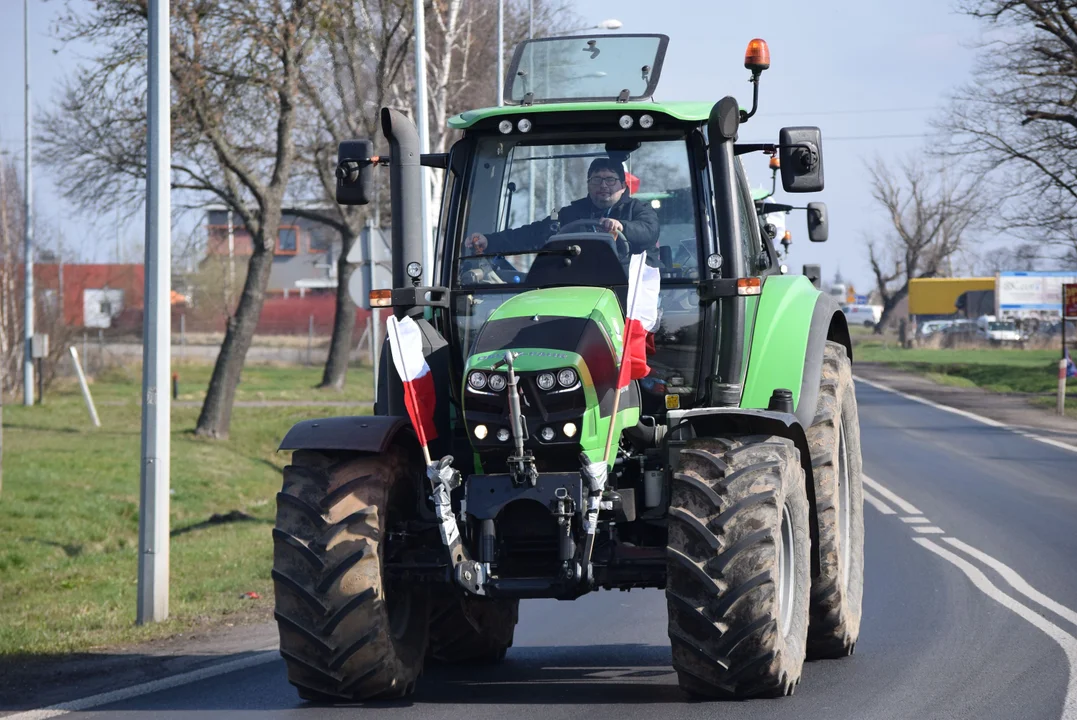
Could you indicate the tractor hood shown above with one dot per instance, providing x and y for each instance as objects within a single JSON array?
[{"x": 572, "y": 334}]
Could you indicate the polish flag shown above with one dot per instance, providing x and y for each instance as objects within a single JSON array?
[
  {"x": 406, "y": 345},
  {"x": 640, "y": 320}
]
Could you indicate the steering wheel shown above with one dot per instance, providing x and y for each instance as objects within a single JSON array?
[{"x": 619, "y": 241}]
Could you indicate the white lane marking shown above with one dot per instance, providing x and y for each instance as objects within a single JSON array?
[
  {"x": 914, "y": 519},
  {"x": 906, "y": 507},
  {"x": 146, "y": 688},
  {"x": 928, "y": 529},
  {"x": 1015, "y": 580},
  {"x": 1060, "y": 636},
  {"x": 878, "y": 504},
  {"x": 970, "y": 415}
]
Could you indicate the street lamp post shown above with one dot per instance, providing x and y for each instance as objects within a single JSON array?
[
  {"x": 28, "y": 234},
  {"x": 424, "y": 134}
]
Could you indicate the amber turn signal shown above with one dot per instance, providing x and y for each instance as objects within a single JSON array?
[
  {"x": 757, "y": 56},
  {"x": 775, "y": 163},
  {"x": 749, "y": 286},
  {"x": 381, "y": 298}
]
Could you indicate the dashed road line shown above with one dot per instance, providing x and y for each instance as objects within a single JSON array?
[
  {"x": 906, "y": 507},
  {"x": 108, "y": 698},
  {"x": 970, "y": 415},
  {"x": 914, "y": 519},
  {"x": 878, "y": 504},
  {"x": 929, "y": 529}
]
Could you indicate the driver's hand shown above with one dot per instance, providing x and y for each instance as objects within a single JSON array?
[
  {"x": 611, "y": 226},
  {"x": 477, "y": 244}
]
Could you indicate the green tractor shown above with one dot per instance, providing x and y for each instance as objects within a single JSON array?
[{"x": 728, "y": 476}]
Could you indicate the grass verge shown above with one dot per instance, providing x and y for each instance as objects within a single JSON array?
[
  {"x": 998, "y": 370},
  {"x": 69, "y": 513}
]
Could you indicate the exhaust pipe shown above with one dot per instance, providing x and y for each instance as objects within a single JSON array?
[{"x": 405, "y": 186}]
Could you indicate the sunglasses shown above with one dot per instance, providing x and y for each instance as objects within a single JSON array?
[{"x": 608, "y": 181}]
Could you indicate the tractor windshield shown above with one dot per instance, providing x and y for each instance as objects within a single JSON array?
[{"x": 527, "y": 201}]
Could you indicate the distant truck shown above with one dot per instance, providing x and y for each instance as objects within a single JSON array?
[{"x": 866, "y": 315}]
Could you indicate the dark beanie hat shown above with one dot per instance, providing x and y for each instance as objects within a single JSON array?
[{"x": 606, "y": 164}]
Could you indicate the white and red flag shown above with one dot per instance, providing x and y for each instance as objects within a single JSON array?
[
  {"x": 406, "y": 346},
  {"x": 641, "y": 318}
]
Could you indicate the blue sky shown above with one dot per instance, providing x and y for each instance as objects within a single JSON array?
[{"x": 858, "y": 69}]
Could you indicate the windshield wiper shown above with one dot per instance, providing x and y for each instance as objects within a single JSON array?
[{"x": 570, "y": 251}]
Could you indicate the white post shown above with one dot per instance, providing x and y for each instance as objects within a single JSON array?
[
  {"x": 85, "y": 388},
  {"x": 310, "y": 340},
  {"x": 500, "y": 53},
  {"x": 423, "y": 126},
  {"x": 156, "y": 336},
  {"x": 1062, "y": 384},
  {"x": 28, "y": 236},
  {"x": 375, "y": 345},
  {"x": 531, "y": 163}
]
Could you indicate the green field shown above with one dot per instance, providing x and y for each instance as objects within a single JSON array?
[
  {"x": 69, "y": 509},
  {"x": 998, "y": 370}
]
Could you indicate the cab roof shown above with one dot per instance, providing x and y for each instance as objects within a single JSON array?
[{"x": 688, "y": 111}]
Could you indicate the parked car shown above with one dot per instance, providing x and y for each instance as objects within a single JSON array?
[
  {"x": 990, "y": 327},
  {"x": 866, "y": 315},
  {"x": 931, "y": 327}
]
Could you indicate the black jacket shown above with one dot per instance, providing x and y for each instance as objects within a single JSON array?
[{"x": 639, "y": 219}]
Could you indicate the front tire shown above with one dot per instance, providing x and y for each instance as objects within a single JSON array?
[
  {"x": 834, "y": 439},
  {"x": 346, "y": 633},
  {"x": 739, "y": 571}
]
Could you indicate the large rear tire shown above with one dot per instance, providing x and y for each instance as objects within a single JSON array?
[
  {"x": 738, "y": 573},
  {"x": 466, "y": 628},
  {"x": 345, "y": 632},
  {"x": 834, "y": 439}
]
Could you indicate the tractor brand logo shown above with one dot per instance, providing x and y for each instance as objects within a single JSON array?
[{"x": 500, "y": 354}]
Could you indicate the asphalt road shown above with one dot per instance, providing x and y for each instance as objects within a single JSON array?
[{"x": 957, "y": 509}]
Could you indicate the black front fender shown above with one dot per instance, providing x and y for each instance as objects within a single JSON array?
[{"x": 370, "y": 434}]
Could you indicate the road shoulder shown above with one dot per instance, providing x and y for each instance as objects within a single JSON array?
[{"x": 1010, "y": 409}]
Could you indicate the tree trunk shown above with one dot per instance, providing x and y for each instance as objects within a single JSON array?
[
  {"x": 340, "y": 346},
  {"x": 216, "y": 415},
  {"x": 888, "y": 307}
]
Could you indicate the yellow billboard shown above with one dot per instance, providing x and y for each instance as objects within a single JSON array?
[{"x": 936, "y": 296}]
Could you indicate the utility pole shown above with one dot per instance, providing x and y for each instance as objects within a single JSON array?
[
  {"x": 28, "y": 234},
  {"x": 500, "y": 53},
  {"x": 531, "y": 163},
  {"x": 424, "y": 134},
  {"x": 156, "y": 335}
]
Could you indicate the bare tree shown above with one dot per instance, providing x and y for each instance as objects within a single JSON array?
[
  {"x": 929, "y": 214},
  {"x": 1016, "y": 121},
  {"x": 235, "y": 109}
]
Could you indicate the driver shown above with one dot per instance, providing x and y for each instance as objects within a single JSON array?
[{"x": 607, "y": 203}]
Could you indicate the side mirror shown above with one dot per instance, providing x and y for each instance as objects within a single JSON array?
[
  {"x": 818, "y": 226},
  {"x": 354, "y": 172},
  {"x": 801, "y": 153},
  {"x": 813, "y": 273}
]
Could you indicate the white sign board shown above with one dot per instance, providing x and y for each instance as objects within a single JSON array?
[
  {"x": 373, "y": 256},
  {"x": 100, "y": 306},
  {"x": 1027, "y": 293}
]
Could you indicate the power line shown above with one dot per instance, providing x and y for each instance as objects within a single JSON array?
[{"x": 858, "y": 111}]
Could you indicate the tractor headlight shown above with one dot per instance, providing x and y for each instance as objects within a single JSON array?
[
  {"x": 503, "y": 435},
  {"x": 505, "y": 126},
  {"x": 547, "y": 434},
  {"x": 477, "y": 380},
  {"x": 480, "y": 432},
  {"x": 567, "y": 377},
  {"x": 497, "y": 382},
  {"x": 569, "y": 429},
  {"x": 546, "y": 381}
]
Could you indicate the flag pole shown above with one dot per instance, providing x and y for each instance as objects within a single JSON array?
[{"x": 624, "y": 349}]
